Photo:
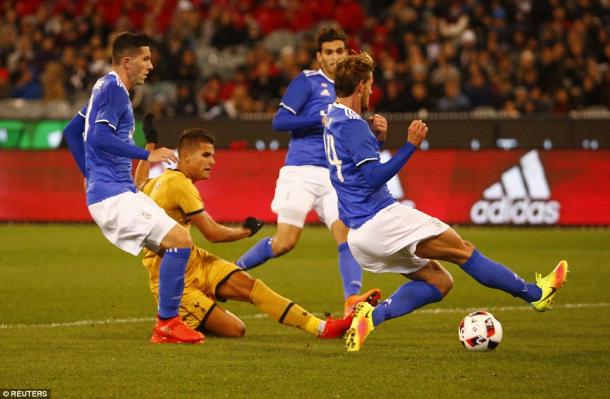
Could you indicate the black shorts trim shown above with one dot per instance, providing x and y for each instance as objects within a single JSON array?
[
  {"x": 222, "y": 282},
  {"x": 201, "y": 326},
  {"x": 290, "y": 305}
]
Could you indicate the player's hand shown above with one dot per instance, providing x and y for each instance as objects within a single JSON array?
[
  {"x": 253, "y": 224},
  {"x": 162, "y": 154},
  {"x": 149, "y": 128},
  {"x": 417, "y": 132},
  {"x": 379, "y": 126}
]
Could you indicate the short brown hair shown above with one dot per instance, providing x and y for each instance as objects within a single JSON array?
[
  {"x": 191, "y": 137},
  {"x": 127, "y": 43},
  {"x": 350, "y": 71},
  {"x": 329, "y": 35}
]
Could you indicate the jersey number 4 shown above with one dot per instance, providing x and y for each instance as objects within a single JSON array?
[{"x": 331, "y": 154}]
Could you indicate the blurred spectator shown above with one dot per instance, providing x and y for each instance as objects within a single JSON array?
[
  {"x": 100, "y": 63},
  {"x": 186, "y": 103},
  {"x": 26, "y": 86},
  {"x": 561, "y": 102},
  {"x": 239, "y": 102},
  {"x": 47, "y": 53},
  {"x": 230, "y": 31},
  {"x": 52, "y": 79},
  {"x": 393, "y": 99},
  {"x": 443, "y": 73},
  {"x": 188, "y": 70},
  {"x": 453, "y": 100},
  {"x": 209, "y": 96},
  {"x": 477, "y": 89},
  {"x": 264, "y": 85},
  {"x": 418, "y": 99}
]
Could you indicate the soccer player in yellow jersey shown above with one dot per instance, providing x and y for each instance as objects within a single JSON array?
[{"x": 210, "y": 279}]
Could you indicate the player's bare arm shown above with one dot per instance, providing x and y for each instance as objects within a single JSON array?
[
  {"x": 140, "y": 177},
  {"x": 216, "y": 232}
]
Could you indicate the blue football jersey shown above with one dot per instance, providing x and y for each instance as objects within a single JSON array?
[
  {"x": 308, "y": 94},
  {"x": 107, "y": 174},
  {"x": 349, "y": 142}
]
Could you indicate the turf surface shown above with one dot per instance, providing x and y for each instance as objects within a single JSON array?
[{"x": 76, "y": 316}]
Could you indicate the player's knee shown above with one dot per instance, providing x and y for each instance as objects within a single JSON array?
[
  {"x": 464, "y": 252},
  {"x": 282, "y": 245},
  {"x": 178, "y": 237},
  {"x": 444, "y": 283},
  {"x": 236, "y": 329}
]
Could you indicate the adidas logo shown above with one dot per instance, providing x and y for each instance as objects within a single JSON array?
[{"x": 522, "y": 196}]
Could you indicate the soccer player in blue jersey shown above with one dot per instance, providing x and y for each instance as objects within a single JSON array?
[
  {"x": 303, "y": 182},
  {"x": 386, "y": 236},
  {"x": 103, "y": 148}
]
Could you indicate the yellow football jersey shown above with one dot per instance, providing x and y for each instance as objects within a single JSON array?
[{"x": 178, "y": 196}]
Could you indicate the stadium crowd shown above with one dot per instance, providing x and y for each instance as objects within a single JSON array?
[{"x": 226, "y": 57}]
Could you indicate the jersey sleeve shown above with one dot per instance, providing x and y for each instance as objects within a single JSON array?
[
  {"x": 73, "y": 134},
  {"x": 113, "y": 102},
  {"x": 296, "y": 94},
  {"x": 188, "y": 197},
  {"x": 148, "y": 186},
  {"x": 363, "y": 145}
]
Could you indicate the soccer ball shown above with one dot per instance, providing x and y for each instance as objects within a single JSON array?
[{"x": 480, "y": 331}]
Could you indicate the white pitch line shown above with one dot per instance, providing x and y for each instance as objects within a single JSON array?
[{"x": 130, "y": 320}]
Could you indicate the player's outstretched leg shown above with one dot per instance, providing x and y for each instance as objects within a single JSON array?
[
  {"x": 240, "y": 286},
  {"x": 169, "y": 327},
  {"x": 449, "y": 246},
  {"x": 495, "y": 275},
  {"x": 550, "y": 285}
]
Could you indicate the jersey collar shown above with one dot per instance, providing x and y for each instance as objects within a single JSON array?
[
  {"x": 326, "y": 76},
  {"x": 119, "y": 81}
]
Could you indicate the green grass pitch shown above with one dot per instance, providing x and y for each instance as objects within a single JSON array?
[{"x": 76, "y": 317}]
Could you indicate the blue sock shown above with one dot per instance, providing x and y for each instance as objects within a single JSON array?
[
  {"x": 405, "y": 299},
  {"x": 494, "y": 275},
  {"x": 171, "y": 281},
  {"x": 257, "y": 255},
  {"x": 351, "y": 273}
]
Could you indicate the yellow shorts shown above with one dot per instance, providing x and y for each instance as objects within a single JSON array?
[{"x": 205, "y": 274}]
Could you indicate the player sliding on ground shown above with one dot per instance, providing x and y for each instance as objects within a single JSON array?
[
  {"x": 386, "y": 236},
  {"x": 209, "y": 278}
]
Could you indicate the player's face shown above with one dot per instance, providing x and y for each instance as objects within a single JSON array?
[
  {"x": 366, "y": 94},
  {"x": 199, "y": 162},
  {"x": 139, "y": 66},
  {"x": 329, "y": 54}
]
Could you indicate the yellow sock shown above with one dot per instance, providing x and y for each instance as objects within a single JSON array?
[{"x": 283, "y": 310}]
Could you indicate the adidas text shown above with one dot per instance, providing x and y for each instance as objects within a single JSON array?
[{"x": 515, "y": 211}]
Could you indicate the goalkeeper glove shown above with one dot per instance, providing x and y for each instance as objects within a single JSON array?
[
  {"x": 253, "y": 224},
  {"x": 149, "y": 128}
]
